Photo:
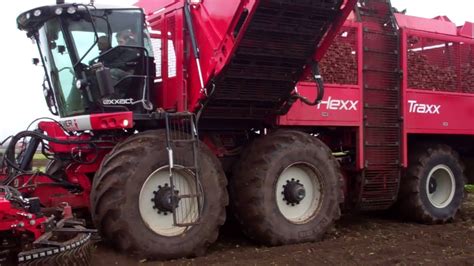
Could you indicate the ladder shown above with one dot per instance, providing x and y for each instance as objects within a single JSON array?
[
  {"x": 382, "y": 112},
  {"x": 186, "y": 199}
]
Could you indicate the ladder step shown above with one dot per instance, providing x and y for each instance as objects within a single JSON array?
[
  {"x": 382, "y": 33},
  {"x": 382, "y": 145},
  {"x": 372, "y": 69},
  {"x": 180, "y": 128},
  {"x": 378, "y": 165},
  {"x": 394, "y": 89},
  {"x": 377, "y": 200},
  {"x": 377, "y": 51},
  {"x": 382, "y": 126}
]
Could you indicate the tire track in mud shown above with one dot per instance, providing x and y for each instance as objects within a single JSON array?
[{"x": 376, "y": 239}]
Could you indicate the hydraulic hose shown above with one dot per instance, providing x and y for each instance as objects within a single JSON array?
[
  {"x": 10, "y": 152},
  {"x": 319, "y": 84},
  {"x": 9, "y": 157},
  {"x": 295, "y": 96}
]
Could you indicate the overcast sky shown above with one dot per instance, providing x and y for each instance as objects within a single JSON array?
[{"x": 21, "y": 94}]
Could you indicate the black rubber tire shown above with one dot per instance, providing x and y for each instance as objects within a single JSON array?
[
  {"x": 469, "y": 171},
  {"x": 413, "y": 199},
  {"x": 116, "y": 188},
  {"x": 254, "y": 182}
]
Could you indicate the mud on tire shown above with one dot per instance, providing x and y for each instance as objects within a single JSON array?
[
  {"x": 117, "y": 187},
  {"x": 257, "y": 191},
  {"x": 432, "y": 190}
]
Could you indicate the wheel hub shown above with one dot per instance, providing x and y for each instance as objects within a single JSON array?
[
  {"x": 441, "y": 186},
  {"x": 293, "y": 192},
  {"x": 165, "y": 200},
  {"x": 433, "y": 185}
]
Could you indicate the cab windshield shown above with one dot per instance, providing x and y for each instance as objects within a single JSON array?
[
  {"x": 113, "y": 28},
  {"x": 70, "y": 46}
]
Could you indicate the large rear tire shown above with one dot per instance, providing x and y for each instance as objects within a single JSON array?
[
  {"x": 286, "y": 189},
  {"x": 129, "y": 179},
  {"x": 432, "y": 190}
]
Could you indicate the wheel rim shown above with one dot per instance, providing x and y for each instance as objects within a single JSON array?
[
  {"x": 299, "y": 205},
  {"x": 154, "y": 216},
  {"x": 440, "y": 186}
]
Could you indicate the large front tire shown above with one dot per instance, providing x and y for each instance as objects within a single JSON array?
[
  {"x": 122, "y": 199},
  {"x": 432, "y": 190},
  {"x": 286, "y": 189}
]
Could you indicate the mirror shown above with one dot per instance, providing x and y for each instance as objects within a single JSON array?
[
  {"x": 61, "y": 49},
  {"x": 49, "y": 97}
]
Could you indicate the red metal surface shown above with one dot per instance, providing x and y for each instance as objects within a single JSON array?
[
  {"x": 214, "y": 27},
  {"x": 441, "y": 26},
  {"x": 53, "y": 130},
  {"x": 111, "y": 121},
  {"x": 438, "y": 87},
  {"x": 455, "y": 97},
  {"x": 343, "y": 82},
  {"x": 19, "y": 221},
  {"x": 76, "y": 173},
  {"x": 431, "y": 112},
  {"x": 467, "y": 30},
  {"x": 103, "y": 121},
  {"x": 341, "y": 106},
  {"x": 52, "y": 195}
]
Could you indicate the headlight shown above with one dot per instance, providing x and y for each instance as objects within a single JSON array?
[
  {"x": 195, "y": 3},
  {"x": 37, "y": 13},
  {"x": 79, "y": 84},
  {"x": 58, "y": 11},
  {"x": 71, "y": 10}
]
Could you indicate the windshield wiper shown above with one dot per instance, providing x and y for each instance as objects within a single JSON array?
[{"x": 96, "y": 35}]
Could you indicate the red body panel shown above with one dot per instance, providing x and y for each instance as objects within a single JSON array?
[
  {"x": 341, "y": 106},
  {"x": 214, "y": 25},
  {"x": 18, "y": 221},
  {"x": 439, "y": 112},
  {"x": 445, "y": 108},
  {"x": 467, "y": 30},
  {"x": 437, "y": 25},
  {"x": 77, "y": 173},
  {"x": 103, "y": 121}
]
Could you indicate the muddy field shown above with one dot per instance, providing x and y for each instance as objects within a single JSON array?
[{"x": 356, "y": 240}]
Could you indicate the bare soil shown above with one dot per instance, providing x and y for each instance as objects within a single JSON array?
[{"x": 357, "y": 239}]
